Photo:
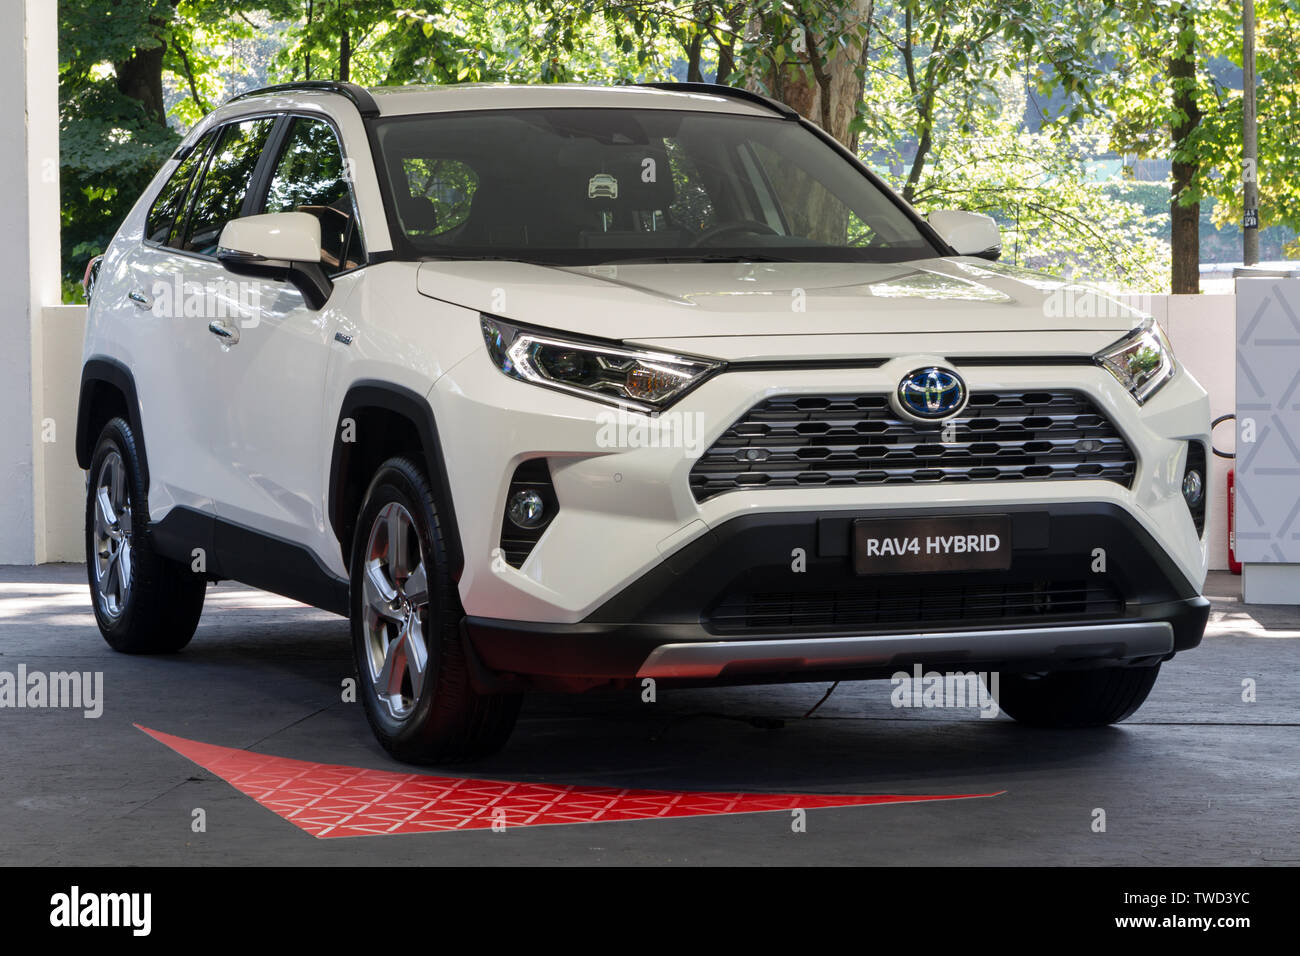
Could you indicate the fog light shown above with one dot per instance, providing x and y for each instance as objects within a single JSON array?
[
  {"x": 526, "y": 509},
  {"x": 1193, "y": 487}
]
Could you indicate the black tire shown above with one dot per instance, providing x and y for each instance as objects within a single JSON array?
[
  {"x": 1087, "y": 698},
  {"x": 447, "y": 720},
  {"x": 155, "y": 605}
]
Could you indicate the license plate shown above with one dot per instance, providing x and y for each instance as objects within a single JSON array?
[{"x": 943, "y": 543}]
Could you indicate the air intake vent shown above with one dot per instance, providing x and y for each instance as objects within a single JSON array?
[
  {"x": 828, "y": 440},
  {"x": 899, "y": 603},
  {"x": 1196, "y": 484}
]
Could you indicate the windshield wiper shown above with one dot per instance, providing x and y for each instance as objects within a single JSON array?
[
  {"x": 696, "y": 257},
  {"x": 479, "y": 257}
]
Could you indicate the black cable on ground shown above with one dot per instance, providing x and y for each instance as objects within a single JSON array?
[
  {"x": 825, "y": 697},
  {"x": 760, "y": 722}
]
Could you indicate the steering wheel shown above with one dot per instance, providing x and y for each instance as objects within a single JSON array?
[{"x": 740, "y": 225}]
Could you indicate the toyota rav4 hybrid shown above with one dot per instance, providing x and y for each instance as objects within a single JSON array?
[{"x": 575, "y": 387}]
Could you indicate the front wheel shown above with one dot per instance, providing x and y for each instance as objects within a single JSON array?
[
  {"x": 1087, "y": 698},
  {"x": 413, "y": 674}
]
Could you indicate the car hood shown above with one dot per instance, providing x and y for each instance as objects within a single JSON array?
[{"x": 644, "y": 302}]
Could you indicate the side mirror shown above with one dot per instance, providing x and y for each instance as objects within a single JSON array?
[
  {"x": 278, "y": 245},
  {"x": 970, "y": 233}
]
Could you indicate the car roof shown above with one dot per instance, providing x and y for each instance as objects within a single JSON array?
[
  {"x": 417, "y": 99},
  {"x": 404, "y": 100}
]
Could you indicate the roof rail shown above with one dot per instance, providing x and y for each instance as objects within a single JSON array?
[
  {"x": 730, "y": 92},
  {"x": 359, "y": 95}
]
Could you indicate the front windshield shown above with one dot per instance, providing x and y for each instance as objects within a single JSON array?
[{"x": 587, "y": 186}]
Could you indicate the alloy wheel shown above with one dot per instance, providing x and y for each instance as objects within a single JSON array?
[
  {"x": 395, "y": 606},
  {"x": 112, "y": 536}
]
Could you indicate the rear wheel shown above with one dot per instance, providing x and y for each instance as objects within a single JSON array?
[
  {"x": 1087, "y": 698},
  {"x": 413, "y": 674},
  {"x": 144, "y": 603}
]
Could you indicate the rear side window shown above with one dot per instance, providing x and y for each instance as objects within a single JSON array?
[
  {"x": 168, "y": 211},
  {"x": 224, "y": 185},
  {"x": 310, "y": 177}
]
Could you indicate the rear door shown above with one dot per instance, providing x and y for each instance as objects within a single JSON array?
[
  {"x": 188, "y": 293},
  {"x": 155, "y": 345}
]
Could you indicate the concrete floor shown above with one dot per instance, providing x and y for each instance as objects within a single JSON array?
[{"x": 1196, "y": 777}]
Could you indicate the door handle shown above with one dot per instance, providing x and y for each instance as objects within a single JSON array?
[
  {"x": 228, "y": 334},
  {"x": 140, "y": 299}
]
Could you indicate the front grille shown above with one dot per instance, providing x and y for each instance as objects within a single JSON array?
[
  {"x": 884, "y": 603},
  {"x": 825, "y": 440}
]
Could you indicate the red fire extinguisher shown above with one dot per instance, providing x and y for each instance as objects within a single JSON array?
[{"x": 1234, "y": 565}]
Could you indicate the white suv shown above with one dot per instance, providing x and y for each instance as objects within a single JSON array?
[{"x": 566, "y": 387}]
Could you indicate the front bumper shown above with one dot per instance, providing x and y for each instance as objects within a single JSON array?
[{"x": 729, "y": 608}]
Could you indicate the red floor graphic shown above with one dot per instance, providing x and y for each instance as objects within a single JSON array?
[{"x": 328, "y": 800}]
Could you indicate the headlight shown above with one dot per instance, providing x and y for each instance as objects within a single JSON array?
[
  {"x": 1142, "y": 361},
  {"x": 638, "y": 379}
]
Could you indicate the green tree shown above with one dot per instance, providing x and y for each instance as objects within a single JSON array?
[
  {"x": 1175, "y": 106},
  {"x": 114, "y": 130},
  {"x": 1156, "y": 100},
  {"x": 951, "y": 56}
]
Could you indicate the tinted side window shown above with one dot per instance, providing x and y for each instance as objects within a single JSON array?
[
  {"x": 169, "y": 207},
  {"x": 224, "y": 185},
  {"x": 309, "y": 177}
]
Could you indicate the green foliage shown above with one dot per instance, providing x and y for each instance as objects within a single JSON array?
[
  {"x": 943, "y": 113},
  {"x": 1054, "y": 213},
  {"x": 109, "y": 150},
  {"x": 110, "y": 145},
  {"x": 517, "y": 41},
  {"x": 1138, "y": 92},
  {"x": 114, "y": 132},
  {"x": 946, "y": 99}
]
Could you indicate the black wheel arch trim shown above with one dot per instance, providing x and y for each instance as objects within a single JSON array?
[
  {"x": 108, "y": 371},
  {"x": 411, "y": 405}
]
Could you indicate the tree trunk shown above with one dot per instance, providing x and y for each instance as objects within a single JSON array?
[
  {"x": 923, "y": 144},
  {"x": 140, "y": 77},
  {"x": 832, "y": 96},
  {"x": 345, "y": 49},
  {"x": 306, "y": 55},
  {"x": 825, "y": 87},
  {"x": 693, "y": 74},
  {"x": 1185, "y": 220}
]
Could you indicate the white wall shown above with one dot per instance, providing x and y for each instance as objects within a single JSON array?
[
  {"x": 1203, "y": 330},
  {"x": 29, "y": 248},
  {"x": 63, "y": 330}
]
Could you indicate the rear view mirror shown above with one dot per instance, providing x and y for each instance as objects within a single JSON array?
[
  {"x": 969, "y": 233},
  {"x": 279, "y": 245}
]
